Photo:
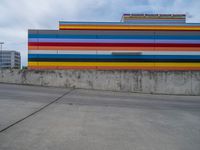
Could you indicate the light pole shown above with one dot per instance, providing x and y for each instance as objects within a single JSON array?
[{"x": 1, "y": 43}]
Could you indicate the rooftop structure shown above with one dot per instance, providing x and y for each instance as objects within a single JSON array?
[{"x": 154, "y": 18}]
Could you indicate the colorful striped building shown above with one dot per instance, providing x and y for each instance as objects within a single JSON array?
[{"x": 138, "y": 42}]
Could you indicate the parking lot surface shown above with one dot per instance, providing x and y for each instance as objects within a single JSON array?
[{"x": 44, "y": 118}]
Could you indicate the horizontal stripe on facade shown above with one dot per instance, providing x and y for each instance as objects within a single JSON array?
[
  {"x": 130, "y": 30},
  {"x": 130, "y": 27},
  {"x": 126, "y": 25},
  {"x": 78, "y": 48},
  {"x": 138, "y": 30},
  {"x": 114, "y": 44},
  {"x": 57, "y": 40},
  {"x": 111, "y": 32},
  {"x": 109, "y": 60},
  {"x": 122, "y": 56},
  {"x": 110, "y": 52},
  {"x": 145, "y": 37},
  {"x": 61, "y": 52},
  {"x": 113, "y": 58},
  {"x": 122, "y": 23},
  {"x": 114, "y": 64},
  {"x": 114, "y": 68}
]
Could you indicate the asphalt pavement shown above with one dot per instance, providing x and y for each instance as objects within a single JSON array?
[{"x": 44, "y": 118}]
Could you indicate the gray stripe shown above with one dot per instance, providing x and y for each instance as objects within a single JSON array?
[
  {"x": 93, "y": 32},
  {"x": 90, "y": 32}
]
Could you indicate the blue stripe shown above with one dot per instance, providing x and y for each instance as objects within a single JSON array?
[
  {"x": 54, "y": 40},
  {"x": 188, "y": 37},
  {"x": 190, "y": 57}
]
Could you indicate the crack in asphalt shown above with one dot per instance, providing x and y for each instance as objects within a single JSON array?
[{"x": 37, "y": 111}]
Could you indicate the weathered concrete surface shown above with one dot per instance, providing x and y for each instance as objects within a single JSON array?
[
  {"x": 154, "y": 82},
  {"x": 96, "y": 120}
]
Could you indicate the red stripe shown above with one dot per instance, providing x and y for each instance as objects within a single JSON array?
[{"x": 113, "y": 44}]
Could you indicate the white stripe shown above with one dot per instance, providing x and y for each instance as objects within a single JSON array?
[
  {"x": 43, "y": 52},
  {"x": 152, "y": 52},
  {"x": 77, "y": 52},
  {"x": 60, "y": 52}
]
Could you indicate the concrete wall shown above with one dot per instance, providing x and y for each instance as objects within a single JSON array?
[{"x": 159, "y": 82}]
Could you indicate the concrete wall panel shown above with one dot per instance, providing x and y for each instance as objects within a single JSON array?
[{"x": 154, "y": 82}]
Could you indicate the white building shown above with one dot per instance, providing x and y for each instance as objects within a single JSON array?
[{"x": 10, "y": 59}]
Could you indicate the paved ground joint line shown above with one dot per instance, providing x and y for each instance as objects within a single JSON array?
[{"x": 35, "y": 112}]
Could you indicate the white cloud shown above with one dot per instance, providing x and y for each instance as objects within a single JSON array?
[{"x": 17, "y": 17}]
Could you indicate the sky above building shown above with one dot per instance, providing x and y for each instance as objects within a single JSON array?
[{"x": 17, "y": 16}]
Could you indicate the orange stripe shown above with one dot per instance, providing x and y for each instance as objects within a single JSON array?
[
  {"x": 149, "y": 68},
  {"x": 87, "y": 48},
  {"x": 178, "y": 68},
  {"x": 115, "y": 48},
  {"x": 177, "y": 48},
  {"x": 115, "y": 68},
  {"x": 125, "y": 26}
]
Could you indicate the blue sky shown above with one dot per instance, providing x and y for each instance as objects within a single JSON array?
[{"x": 17, "y": 16}]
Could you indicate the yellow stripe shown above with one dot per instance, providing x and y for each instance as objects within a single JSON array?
[
  {"x": 115, "y": 64},
  {"x": 88, "y": 64},
  {"x": 130, "y": 27},
  {"x": 177, "y": 65}
]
